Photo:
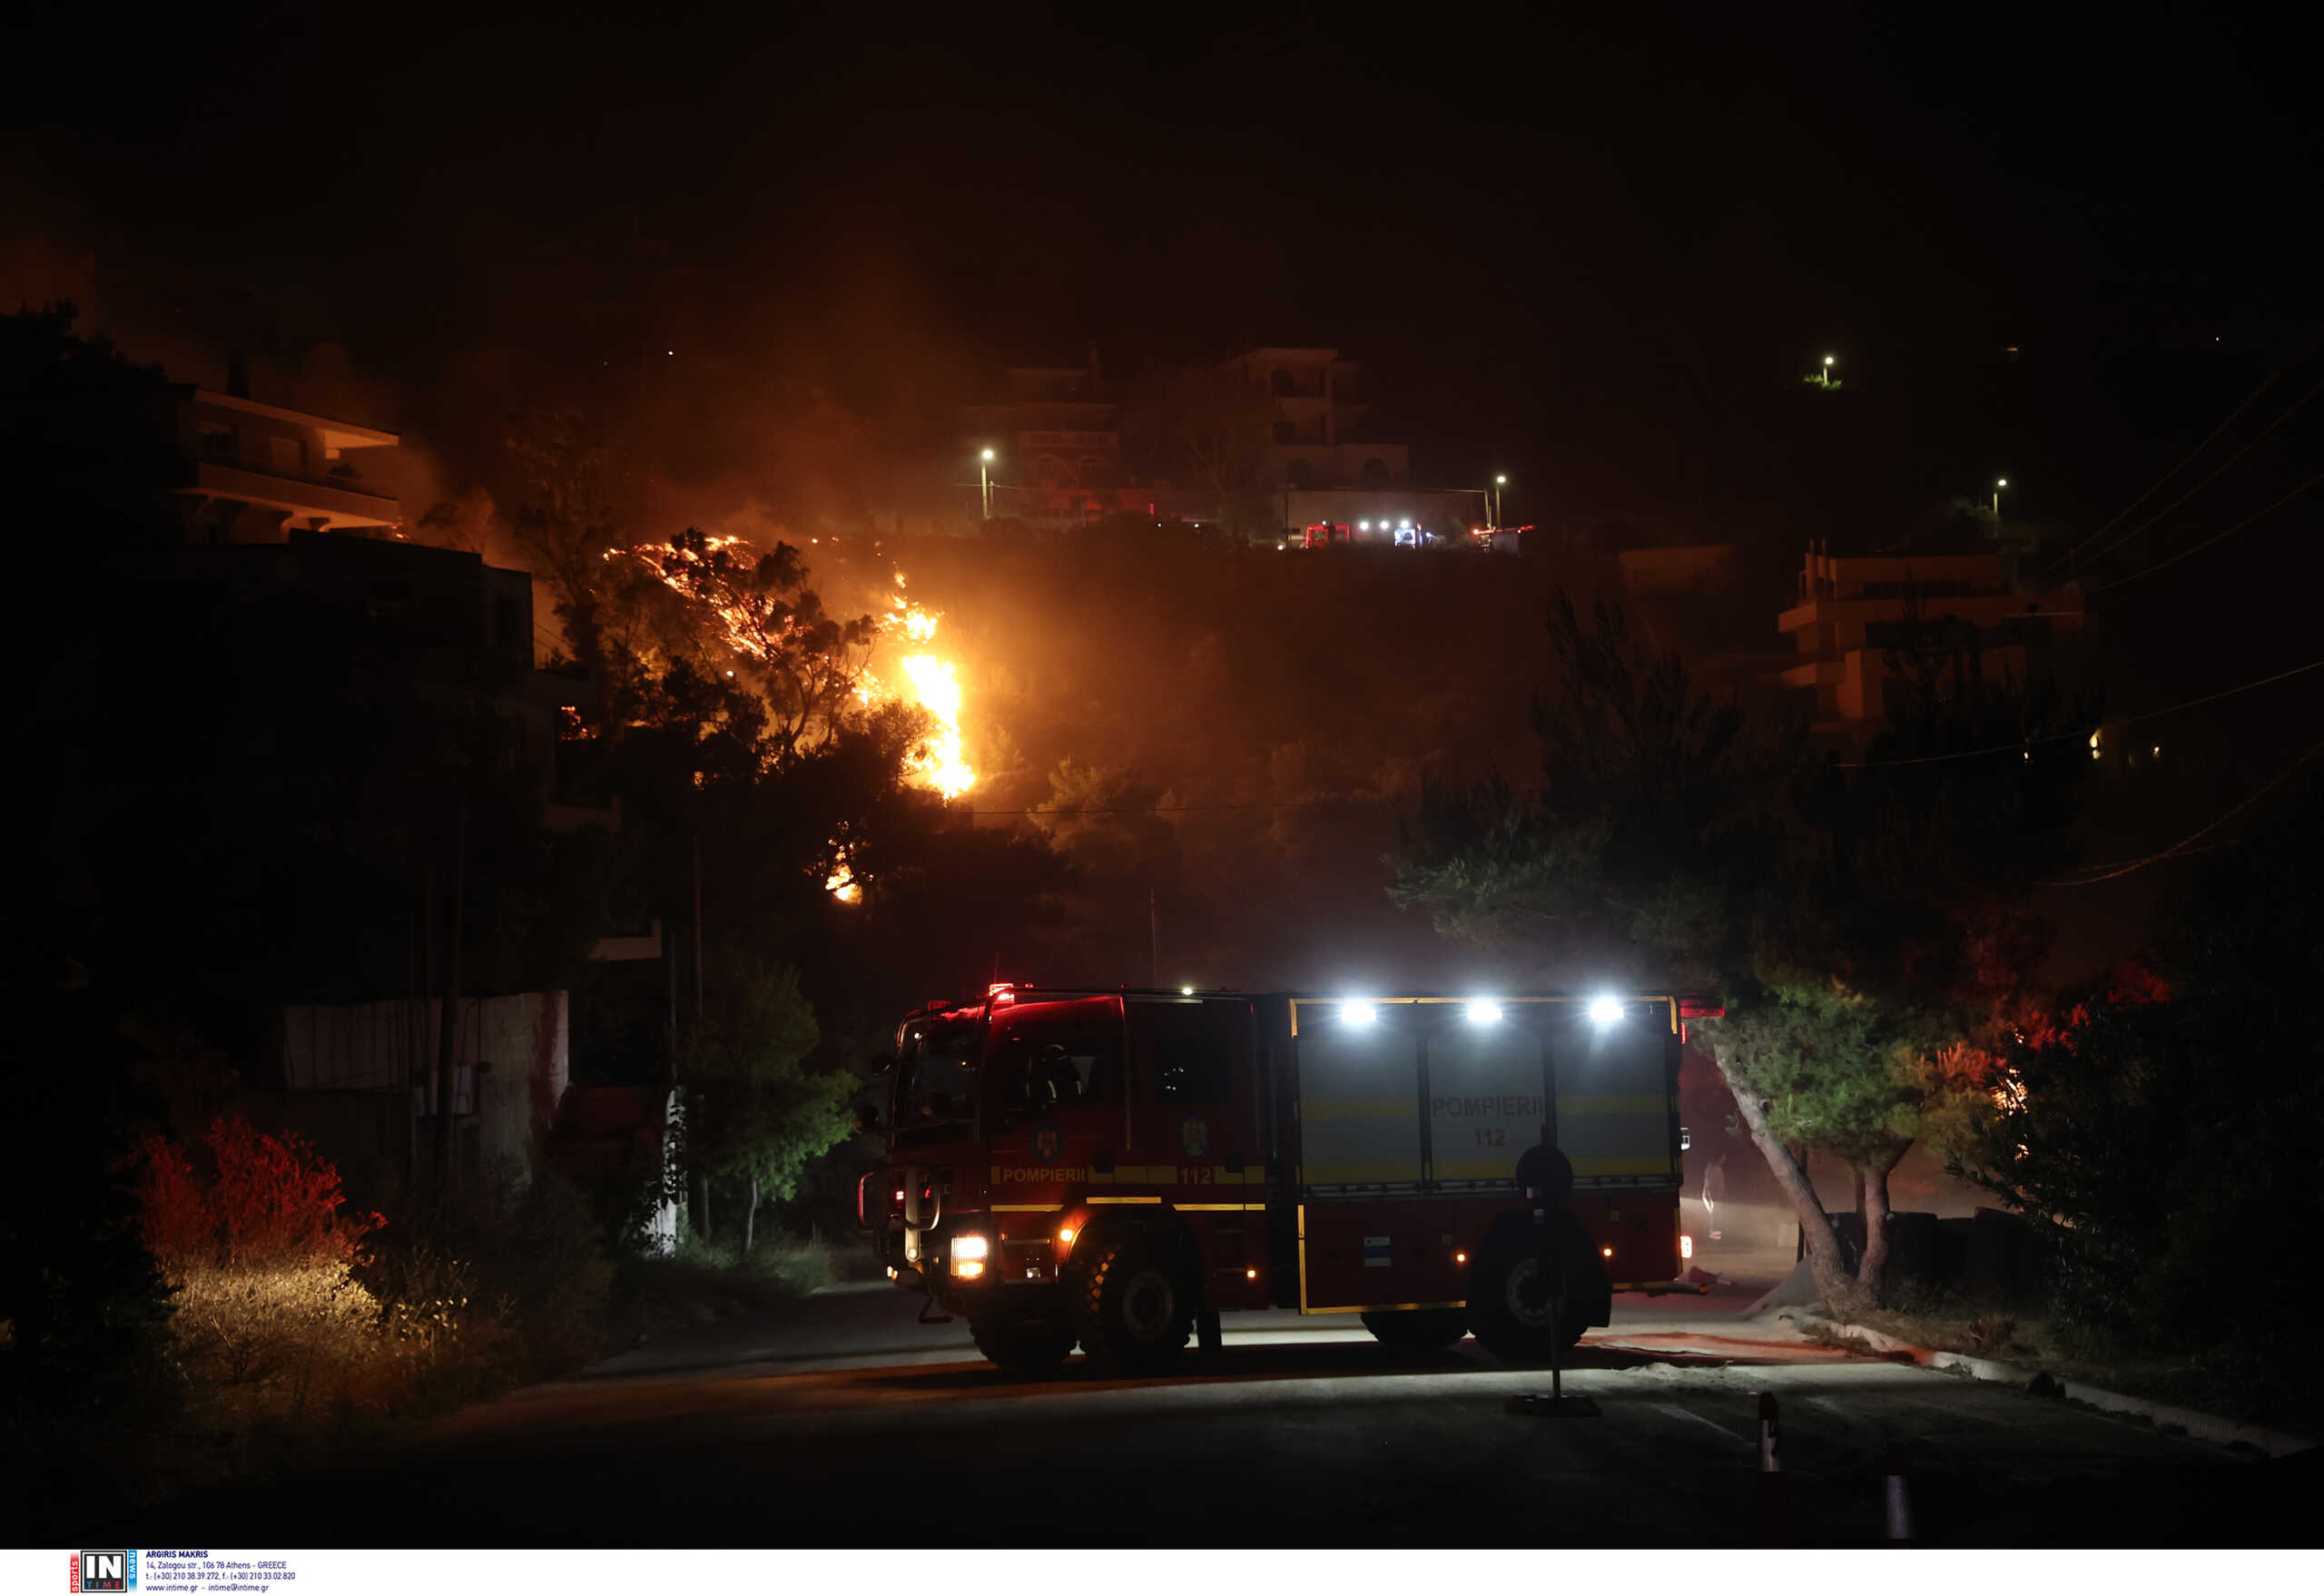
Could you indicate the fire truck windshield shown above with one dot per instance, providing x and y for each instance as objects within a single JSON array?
[{"x": 936, "y": 1087}]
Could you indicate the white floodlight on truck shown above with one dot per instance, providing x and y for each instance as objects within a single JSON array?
[
  {"x": 1605, "y": 1010},
  {"x": 1481, "y": 1012},
  {"x": 1358, "y": 1013}
]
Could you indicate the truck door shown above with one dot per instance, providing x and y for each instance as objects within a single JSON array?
[
  {"x": 1488, "y": 1099},
  {"x": 1054, "y": 1097},
  {"x": 1195, "y": 1120},
  {"x": 1617, "y": 1110}
]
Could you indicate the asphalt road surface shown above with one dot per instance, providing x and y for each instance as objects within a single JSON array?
[{"x": 842, "y": 1421}]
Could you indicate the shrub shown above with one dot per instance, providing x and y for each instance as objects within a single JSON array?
[{"x": 270, "y": 1202}]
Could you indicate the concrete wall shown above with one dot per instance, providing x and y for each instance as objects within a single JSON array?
[{"x": 511, "y": 1062}]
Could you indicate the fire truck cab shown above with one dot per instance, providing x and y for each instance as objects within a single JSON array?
[{"x": 1114, "y": 1169}]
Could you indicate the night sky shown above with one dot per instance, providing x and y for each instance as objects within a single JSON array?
[{"x": 1597, "y": 252}]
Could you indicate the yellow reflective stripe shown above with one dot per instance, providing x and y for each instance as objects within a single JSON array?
[
  {"x": 1359, "y": 1109},
  {"x": 1028, "y": 1207},
  {"x": 1220, "y": 1207},
  {"x": 1343, "y": 1173},
  {"x": 1615, "y": 1105},
  {"x": 1125, "y": 1200},
  {"x": 1383, "y": 1307}
]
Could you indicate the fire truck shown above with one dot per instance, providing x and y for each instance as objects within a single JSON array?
[
  {"x": 1382, "y": 533},
  {"x": 1116, "y": 1169}
]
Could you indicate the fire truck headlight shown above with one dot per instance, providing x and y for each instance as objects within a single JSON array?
[
  {"x": 1605, "y": 1010},
  {"x": 1065, "y": 1237},
  {"x": 967, "y": 1269},
  {"x": 970, "y": 1248},
  {"x": 1484, "y": 1013},
  {"x": 1358, "y": 1013}
]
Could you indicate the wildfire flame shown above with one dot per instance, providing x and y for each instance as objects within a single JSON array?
[
  {"x": 929, "y": 682},
  {"x": 932, "y": 684}
]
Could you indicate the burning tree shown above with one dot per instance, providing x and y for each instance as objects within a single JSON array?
[{"x": 759, "y": 611}]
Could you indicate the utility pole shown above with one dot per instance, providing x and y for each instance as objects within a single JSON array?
[
  {"x": 417, "y": 1063},
  {"x": 700, "y": 1176},
  {"x": 448, "y": 1023}
]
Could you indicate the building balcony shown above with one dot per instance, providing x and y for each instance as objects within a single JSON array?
[
  {"x": 1984, "y": 609},
  {"x": 332, "y": 503}
]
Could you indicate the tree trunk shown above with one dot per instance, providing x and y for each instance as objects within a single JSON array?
[
  {"x": 1825, "y": 1261},
  {"x": 701, "y": 1207},
  {"x": 751, "y": 1216},
  {"x": 1872, "y": 1188}
]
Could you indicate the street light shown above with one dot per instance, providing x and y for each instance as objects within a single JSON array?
[
  {"x": 1999, "y": 483},
  {"x": 1499, "y": 483},
  {"x": 984, "y": 481}
]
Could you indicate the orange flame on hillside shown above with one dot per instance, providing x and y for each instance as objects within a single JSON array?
[
  {"x": 929, "y": 682},
  {"x": 932, "y": 684}
]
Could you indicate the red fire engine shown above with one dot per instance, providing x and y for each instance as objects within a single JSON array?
[{"x": 1116, "y": 1169}]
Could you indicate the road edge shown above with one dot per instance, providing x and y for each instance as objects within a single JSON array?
[{"x": 2204, "y": 1426}]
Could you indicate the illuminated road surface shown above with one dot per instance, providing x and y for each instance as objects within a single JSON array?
[{"x": 847, "y": 1424}]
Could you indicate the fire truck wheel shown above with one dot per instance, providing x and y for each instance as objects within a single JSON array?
[
  {"x": 1132, "y": 1307},
  {"x": 1417, "y": 1329},
  {"x": 1510, "y": 1311},
  {"x": 1023, "y": 1352}
]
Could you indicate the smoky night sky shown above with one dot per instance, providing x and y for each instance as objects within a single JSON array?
[
  {"x": 1586, "y": 247},
  {"x": 772, "y": 255}
]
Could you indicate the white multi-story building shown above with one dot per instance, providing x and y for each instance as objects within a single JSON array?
[{"x": 249, "y": 472}]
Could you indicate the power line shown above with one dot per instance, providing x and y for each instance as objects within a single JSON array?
[
  {"x": 2185, "y": 460},
  {"x": 2181, "y": 846},
  {"x": 2064, "y": 737},
  {"x": 2281, "y": 417},
  {"x": 2216, "y": 537}
]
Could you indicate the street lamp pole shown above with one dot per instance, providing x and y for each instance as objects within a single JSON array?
[
  {"x": 1499, "y": 482},
  {"x": 984, "y": 481},
  {"x": 1999, "y": 484}
]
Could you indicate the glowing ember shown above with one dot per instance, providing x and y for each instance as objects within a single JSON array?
[{"x": 842, "y": 884}]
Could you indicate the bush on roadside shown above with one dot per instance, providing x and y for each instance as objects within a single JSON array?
[{"x": 297, "y": 1325}]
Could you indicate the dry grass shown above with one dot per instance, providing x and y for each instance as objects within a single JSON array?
[{"x": 279, "y": 1362}]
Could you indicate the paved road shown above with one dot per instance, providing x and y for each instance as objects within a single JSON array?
[{"x": 843, "y": 1421}]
